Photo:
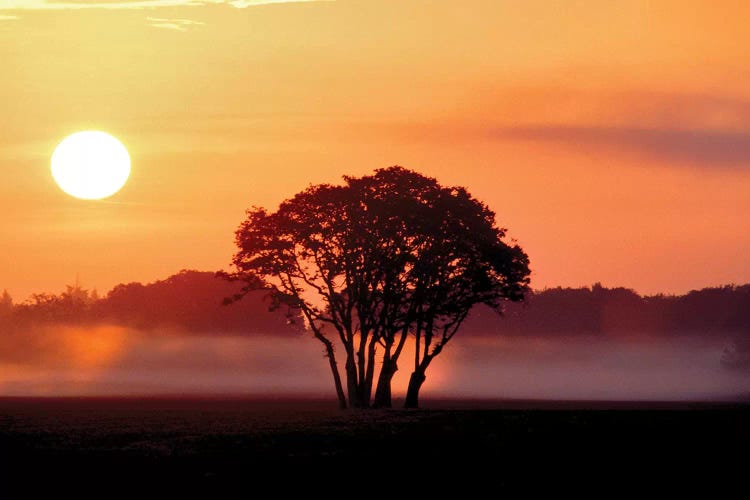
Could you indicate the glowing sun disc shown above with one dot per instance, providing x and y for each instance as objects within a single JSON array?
[{"x": 90, "y": 165}]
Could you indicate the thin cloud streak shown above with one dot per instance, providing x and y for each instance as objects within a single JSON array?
[
  {"x": 136, "y": 4},
  {"x": 704, "y": 147},
  {"x": 643, "y": 109},
  {"x": 173, "y": 24}
]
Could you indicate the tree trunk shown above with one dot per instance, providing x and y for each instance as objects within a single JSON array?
[
  {"x": 351, "y": 381},
  {"x": 383, "y": 389},
  {"x": 337, "y": 382},
  {"x": 335, "y": 370},
  {"x": 363, "y": 399},
  {"x": 412, "y": 392},
  {"x": 370, "y": 372}
]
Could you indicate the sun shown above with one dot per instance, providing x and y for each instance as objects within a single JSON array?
[{"x": 90, "y": 165}]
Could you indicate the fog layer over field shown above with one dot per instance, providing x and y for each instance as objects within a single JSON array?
[{"x": 108, "y": 360}]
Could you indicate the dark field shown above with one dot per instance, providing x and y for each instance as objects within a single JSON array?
[{"x": 507, "y": 445}]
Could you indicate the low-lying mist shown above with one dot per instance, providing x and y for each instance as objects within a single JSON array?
[
  {"x": 580, "y": 368},
  {"x": 110, "y": 360}
]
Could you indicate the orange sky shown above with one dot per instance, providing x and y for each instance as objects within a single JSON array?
[{"x": 612, "y": 138}]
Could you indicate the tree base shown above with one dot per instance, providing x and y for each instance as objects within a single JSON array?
[{"x": 412, "y": 392}]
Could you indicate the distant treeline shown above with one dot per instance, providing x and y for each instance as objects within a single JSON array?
[
  {"x": 597, "y": 310},
  {"x": 193, "y": 301},
  {"x": 190, "y": 301}
]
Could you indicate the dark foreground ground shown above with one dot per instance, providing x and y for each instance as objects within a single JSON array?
[{"x": 258, "y": 444}]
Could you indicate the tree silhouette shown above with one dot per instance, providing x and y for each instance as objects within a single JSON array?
[
  {"x": 462, "y": 261},
  {"x": 190, "y": 302},
  {"x": 70, "y": 306},
  {"x": 375, "y": 262},
  {"x": 6, "y": 303},
  {"x": 310, "y": 256}
]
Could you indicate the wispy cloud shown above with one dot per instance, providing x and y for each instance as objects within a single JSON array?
[
  {"x": 173, "y": 24},
  {"x": 694, "y": 146},
  {"x": 132, "y": 4},
  {"x": 705, "y": 130},
  {"x": 241, "y": 4},
  {"x": 8, "y": 18},
  {"x": 62, "y": 5}
]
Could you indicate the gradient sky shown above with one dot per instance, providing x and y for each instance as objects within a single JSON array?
[{"x": 611, "y": 138}]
